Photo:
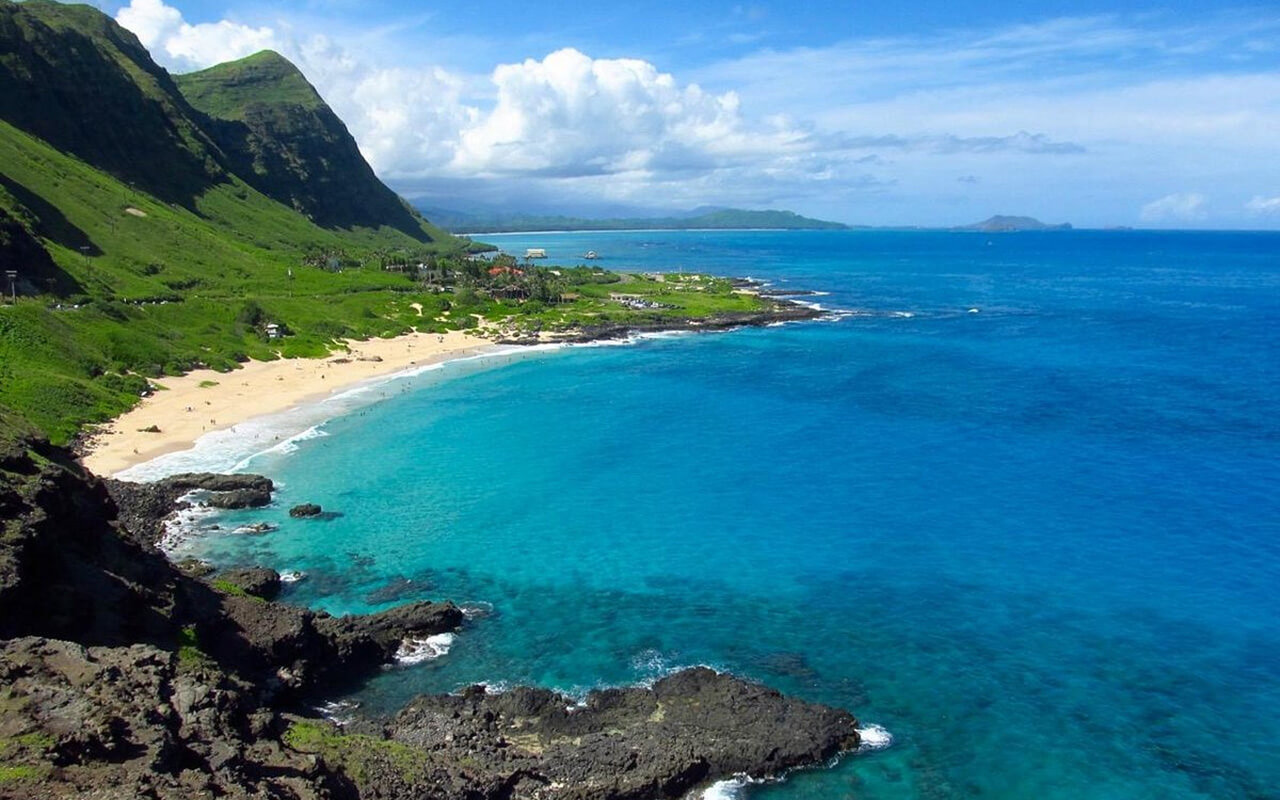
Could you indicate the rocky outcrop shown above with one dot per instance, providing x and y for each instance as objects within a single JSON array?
[
  {"x": 144, "y": 507},
  {"x": 304, "y": 510},
  {"x": 776, "y": 311},
  {"x": 141, "y": 721},
  {"x": 257, "y": 581},
  {"x": 690, "y": 728}
]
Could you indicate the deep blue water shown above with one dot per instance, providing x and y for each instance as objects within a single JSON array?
[{"x": 1039, "y": 543}]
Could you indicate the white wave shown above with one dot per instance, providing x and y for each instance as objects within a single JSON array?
[
  {"x": 289, "y": 445},
  {"x": 841, "y": 314},
  {"x": 902, "y": 314},
  {"x": 184, "y": 526},
  {"x": 873, "y": 737},
  {"x": 415, "y": 651},
  {"x": 476, "y": 609},
  {"x": 729, "y": 789},
  {"x": 292, "y": 576},
  {"x": 339, "y": 711}
]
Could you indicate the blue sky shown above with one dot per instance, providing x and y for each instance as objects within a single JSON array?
[{"x": 930, "y": 113}]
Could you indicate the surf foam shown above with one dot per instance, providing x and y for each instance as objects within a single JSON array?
[
  {"x": 873, "y": 737},
  {"x": 416, "y": 651}
]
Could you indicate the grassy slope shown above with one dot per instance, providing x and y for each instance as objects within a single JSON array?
[
  {"x": 203, "y": 264},
  {"x": 218, "y": 90}
]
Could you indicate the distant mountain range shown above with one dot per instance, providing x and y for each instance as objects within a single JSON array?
[
  {"x": 495, "y": 221},
  {"x": 720, "y": 218}
]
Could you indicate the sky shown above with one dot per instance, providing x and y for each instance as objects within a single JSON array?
[{"x": 916, "y": 112}]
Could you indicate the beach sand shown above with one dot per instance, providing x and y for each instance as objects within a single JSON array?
[{"x": 184, "y": 410}]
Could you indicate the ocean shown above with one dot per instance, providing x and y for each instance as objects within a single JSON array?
[{"x": 1016, "y": 503}]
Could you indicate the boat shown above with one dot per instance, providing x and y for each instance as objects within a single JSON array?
[
  {"x": 591, "y": 255},
  {"x": 535, "y": 252}
]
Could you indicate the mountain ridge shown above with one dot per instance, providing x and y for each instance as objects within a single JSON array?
[{"x": 282, "y": 138}]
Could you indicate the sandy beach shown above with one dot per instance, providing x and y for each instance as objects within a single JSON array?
[{"x": 194, "y": 404}]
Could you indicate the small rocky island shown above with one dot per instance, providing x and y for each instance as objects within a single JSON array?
[{"x": 124, "y": 676}]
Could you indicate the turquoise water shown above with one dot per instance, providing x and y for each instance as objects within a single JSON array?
[{"x": 1039, "y": 542}]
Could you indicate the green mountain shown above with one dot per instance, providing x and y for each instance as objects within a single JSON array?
[
  {"x": 282, "y": 139},
  {"x": 720, "y": 219},
  {"x": 153, "y": 222}
]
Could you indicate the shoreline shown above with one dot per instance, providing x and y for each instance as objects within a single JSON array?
[
  {"x": 189, "y": 407},
  {"x": 201, "y": 402}
]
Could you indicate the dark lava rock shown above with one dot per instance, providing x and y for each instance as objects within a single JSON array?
[
  {"x": 240, "y": 498},
  {"x": 306, "y": 510},
  {"x": 257, "y": 581},
  {"x": 195, "y": 568},
  {"x": 138, "y": 721},
  {"x": 144, "y": 507},
  {"x": 690, "y": 729}
]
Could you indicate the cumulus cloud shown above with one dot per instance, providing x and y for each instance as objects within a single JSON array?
[
  {"x": 1263, "y": 205},
  {"x": 162, "y": 30},
  {"x": 570, "y": 115},
  {"x": 1178, "y": 207}
]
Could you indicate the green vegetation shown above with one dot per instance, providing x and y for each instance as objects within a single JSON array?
[
  {"x": 354, "y": 753},
  {"x": 189, "y": 652},
  {"x": 227, "y": 587},
  {"x": 172, "y": 224},
  {"x": 722, "y": 219},
  {"x": 17, "y": 753},
  {"x": 227, "y": 90}
]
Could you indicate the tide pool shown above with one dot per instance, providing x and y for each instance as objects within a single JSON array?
[{"x": 1017, "y": 504}]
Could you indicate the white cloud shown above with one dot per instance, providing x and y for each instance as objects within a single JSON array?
[
  {"x": 1263, "y": 205},
  {"x": 162, "y": 30},
  {"x": 1178, "y": 207},
  {"x": 569, "y": 115}
]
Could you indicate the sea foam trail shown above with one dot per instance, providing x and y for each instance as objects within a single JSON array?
[
  {"x": 415, "y": 651},
  {"x": 730, "y": 789},
  {"x": 873, "y": 737},
  {"x": 234, "y": 448}
]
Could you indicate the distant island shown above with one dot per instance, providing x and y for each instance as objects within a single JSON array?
[
  {"x": 718, "y": 219},
  {"x": 1006, "y": 224}
]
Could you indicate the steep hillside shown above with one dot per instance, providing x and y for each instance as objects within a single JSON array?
[
  {"x": 140, "y": 250},
  {"x": 80, "y": 82},
  {"x": 283, "y": 140}
]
